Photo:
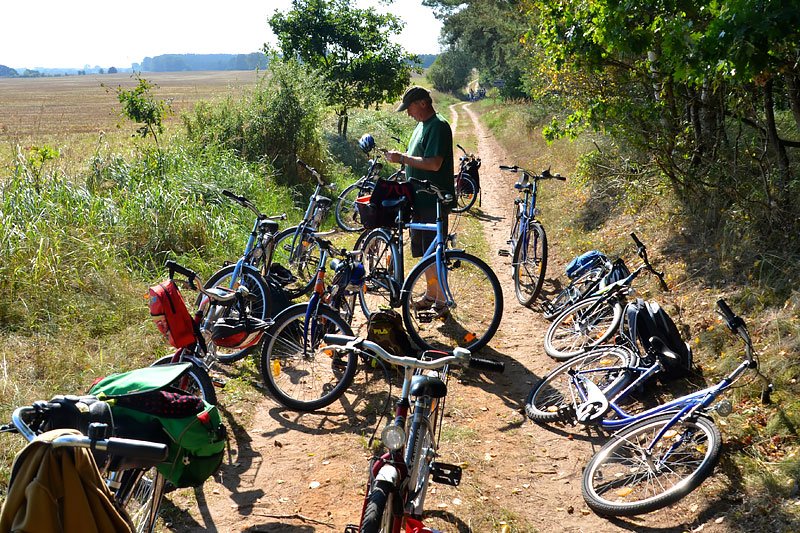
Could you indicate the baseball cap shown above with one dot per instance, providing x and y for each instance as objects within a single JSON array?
[{"x": 412, "y": 95}]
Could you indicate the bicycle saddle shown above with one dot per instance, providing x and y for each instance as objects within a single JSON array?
[{"x": 428, "y": 386}]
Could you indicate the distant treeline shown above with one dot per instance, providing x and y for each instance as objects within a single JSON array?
[{"x": 184, "y": 62}]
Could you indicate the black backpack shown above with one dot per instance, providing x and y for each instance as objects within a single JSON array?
[
  {"x": 648, "y": 320},
  {"x": 385, "y": 328}
]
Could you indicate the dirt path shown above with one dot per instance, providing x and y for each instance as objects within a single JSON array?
[{"x": 306, "y": 473}]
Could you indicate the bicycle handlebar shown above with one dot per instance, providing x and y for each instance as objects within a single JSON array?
[
  {"x": 315, "y": 173},
  {"x": 545, "y": 174},
  {"x": 246, "y": 203},
  {"x": 219, "y": 294},
  {"x": 430, "y": 188},
  {"x": 641, "y": 250},
  {"x": 154, "y": 452}
]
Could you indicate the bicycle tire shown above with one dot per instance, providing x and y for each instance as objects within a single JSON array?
[
  {"x": 466, "y": 193},
  {"x": 573, "y": 331},
  {"x": 478, "y": 309},
  {"x": 258, "y": 307},
  {"x": 613, "y": 479},
  {"x": 550, "y": 399},
  {"x": 380, "y": 259},
  {"x": 196, "y": 381},
  {"x": 379, "y": 511},
  {"x": 302, "y": 263},
  {"x": 347, "y": 215},
  {"x": 572, "y": 293},
  {"x": 529, "y": 272},
  {"x": 310, "y": 381},
  {"x": 424, "y": 454},
  {"x": 140, "y": 494}
]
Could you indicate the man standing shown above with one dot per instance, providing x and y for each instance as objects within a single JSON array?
[{"x": 429, "y": 157}]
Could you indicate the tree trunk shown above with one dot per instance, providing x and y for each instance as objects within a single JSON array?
[
  {"x": 697, "y": 126},
  {"x": 341, "y": 126},
  {"x": 774, "y": 142}
]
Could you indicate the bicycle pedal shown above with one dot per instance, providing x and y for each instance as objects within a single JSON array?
[
  {"x": 446, "y": 474},
  {"x": 218, "y": 383},
  {"x": 351, "y": 528},
  {"x": 502, "y": 252}
]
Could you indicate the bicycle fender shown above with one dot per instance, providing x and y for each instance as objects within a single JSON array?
[{"x": 388, "y": 473}]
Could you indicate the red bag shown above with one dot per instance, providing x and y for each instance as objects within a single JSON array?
[{"x": 170, "y": 314}]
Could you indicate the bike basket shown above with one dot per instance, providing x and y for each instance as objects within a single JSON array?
[
  {"x": 583, "y": 263},
  {"x": 144, "y": 406},
  {"x": 374, "y": 215},
  {"x": 170, "y": 314}
]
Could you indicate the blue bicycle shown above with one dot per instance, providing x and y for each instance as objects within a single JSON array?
[
  {"x": 657, "y": 456},
  {"x": 528, "y": 239},
  {"x": 450, "y": 298}
]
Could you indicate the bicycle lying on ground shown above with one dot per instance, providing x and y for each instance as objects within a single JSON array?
[
  {"x": 528, "y": 239},
  {"x": 594, "y": 320},
  {"x": 297, "y": 366},
  {"x": 122, "y": 470},
  {"x": 584, "y": 280},
  {"x": 469, "y": 307},
  {"x": 660, "y": 455},
  {"x": 467, "y": 181},
  {"x": 398, "y": 480},
  {"x": 256, "y": 271}
]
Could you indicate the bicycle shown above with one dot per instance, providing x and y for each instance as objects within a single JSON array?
[
  {"x": 593, "y": 320},
  {"x": 659, "y": 456},
  {"x": 398, "y": 479},
  {"x": 347, "y": 215},
  {"x": 467, "y": 182},
  {"x": 254, "y": 270},
  {"x": 295, "y": 247},
  {"x": 214, "y": 324},
  {"x": 125, "y": 466},
  {"x": 472, "y": 307},
  {"x": 297, "y": 367},
  {"x": 528, "y": 239}
]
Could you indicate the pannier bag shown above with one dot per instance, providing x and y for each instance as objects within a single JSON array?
[
  {"x": 472, "y": 170},
  {"x": 385, "y": 328},
  {"x": 373, "y": 212},
  {"x": 649, "y": 320},
  {"x": 170, "y": 314},
  {"x": 583, "y": 263},
  {"x": 145, "y": 407}
]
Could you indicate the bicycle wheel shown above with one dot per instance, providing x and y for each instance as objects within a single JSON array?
[
  {"x": 475, "y": 315},
  {"x": 572, "y": 293},
  {"x": 551, "y": 399},
  {"x": 530, "y": 263},
  {"x": 297, "y": 367},
  {"x": 347, "y": 216},
  {"x": 301, "y": 256},
  {"x": 380, "y": 259},
  {"x": 633, "y": 473},
  {"x": 140, "y": 494},
  {"x": 260, "y": 306},
  {"x": 466, "y": 193},
  {"x": 196, "y": 381},
  {"x": 379, "y": 512},
  {"x": 582, "y": 326},
  {"x": 424, "y": 455}
]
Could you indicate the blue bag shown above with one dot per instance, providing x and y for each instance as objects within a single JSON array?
[{"x": 584, "y": 262}]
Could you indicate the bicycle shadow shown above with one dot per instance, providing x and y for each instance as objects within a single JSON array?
[{"x": 479, "y": 214}]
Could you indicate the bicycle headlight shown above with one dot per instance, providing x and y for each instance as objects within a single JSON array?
[
  {"x": 393, "y": 437},
  {"x": 724, "y": 408}
]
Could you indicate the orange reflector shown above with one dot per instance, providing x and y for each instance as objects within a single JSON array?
[{"x": 469, "y": 337}]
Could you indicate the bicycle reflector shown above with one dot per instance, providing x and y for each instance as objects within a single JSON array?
[{"x": 393, "y": 437}]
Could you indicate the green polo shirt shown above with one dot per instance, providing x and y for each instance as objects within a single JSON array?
[{"x": 431, "y": 138}]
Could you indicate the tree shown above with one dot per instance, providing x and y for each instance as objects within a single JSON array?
[
  {"x": 141, "y": 106},
  {"x": 350, "y": 47},
  {"x": 112, "y": 70},
  {"x": 450, "y": 71}
]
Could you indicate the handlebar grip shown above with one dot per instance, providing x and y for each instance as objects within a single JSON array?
[
  {"x": 338, "y": 340},
  {"x": 559, "y": 177},
  {"x": 137, "y": 449},
  {"x": 487, "y": 364},
  {"x": 180, "y": 269},
  {"x": 765, "y": 395},
  {"x": 506, "y": 167},
  {"x": 229, "y": 194},
  {"x": 636, "y": 240}
]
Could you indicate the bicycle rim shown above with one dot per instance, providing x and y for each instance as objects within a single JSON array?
[
  {"x": 530, "y": 264},
  {"x": 580, "y": 327},
  {"x": 301, "y": 255},
  {"x": 347, "y": 216},
  {"x": 303, "y": 374},
  {"x": 195, "y": 382},
  {"x": 466, "y": 193},
  {"x": 475, "y": 316},
  {"x": 623, "y": 480},
  {"x": 140, "y": 495},
  {"x": 379, "y": 262}
]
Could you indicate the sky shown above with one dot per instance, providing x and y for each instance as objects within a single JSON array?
[{"x": 106, "y": 33}]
